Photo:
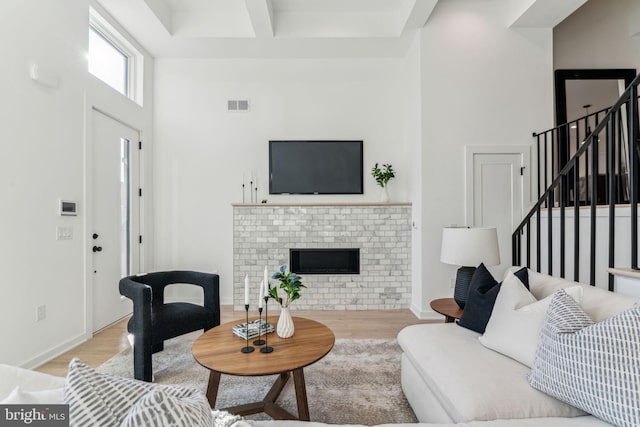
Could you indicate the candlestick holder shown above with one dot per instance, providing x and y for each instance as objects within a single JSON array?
[
  {"x": 256, "y": 188},
  {"x": 260, "y": 341},
  {"x": 251, "y": 190},
  {"x": 266, "y": 348},
  {"x": 247, "y": 349},
  {"x": 243, "y": 193}
]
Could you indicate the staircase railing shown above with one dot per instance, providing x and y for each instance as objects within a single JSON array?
[{"x": 580, "y": 182}]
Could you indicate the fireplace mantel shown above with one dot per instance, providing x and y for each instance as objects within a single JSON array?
[{"x": 263, "y": 234}]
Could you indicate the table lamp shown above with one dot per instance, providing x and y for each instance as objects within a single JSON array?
[{"x": 468, "y": 247}]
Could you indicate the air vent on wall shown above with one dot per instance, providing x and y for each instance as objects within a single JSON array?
[{"x": 238, "y": 105}]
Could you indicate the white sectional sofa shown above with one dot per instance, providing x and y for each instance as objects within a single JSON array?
[{"x": 448, "y": 376}]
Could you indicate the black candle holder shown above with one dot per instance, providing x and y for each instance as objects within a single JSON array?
[
  {"x": 243, "y": 193},
  {"x": 247, "y": 349},
  {"x": 260, "y": 341},
  {"x": 266, "y": 348}
]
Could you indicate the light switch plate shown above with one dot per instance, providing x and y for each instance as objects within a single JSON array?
[{"x": 64, "y": 233}]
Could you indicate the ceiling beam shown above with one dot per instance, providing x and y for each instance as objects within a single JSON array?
[
  {"x": 418, "y": 14},
  {"x": 261, "y": 17},
  {"x": 161, "y": 11},
  {"x": 542, "y": 13}
]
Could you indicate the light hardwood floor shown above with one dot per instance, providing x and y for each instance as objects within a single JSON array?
[{"x": 344, "y": 324}]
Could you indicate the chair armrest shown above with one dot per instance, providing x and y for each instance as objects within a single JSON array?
[{"x": 140, "y": 294}]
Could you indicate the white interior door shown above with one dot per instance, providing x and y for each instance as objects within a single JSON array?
[
  {"x": 497, "y": 187},
  {"x": 116, "y": 213}
]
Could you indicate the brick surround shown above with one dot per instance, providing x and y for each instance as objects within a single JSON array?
[{"x": 264, "y": 233}]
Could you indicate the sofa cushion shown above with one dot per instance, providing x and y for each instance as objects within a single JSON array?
[
  {"x": 40, "y": 397},
  {"x": 472, "y": 382},
  {"x": 592, "y": 366},
  {"x": 599, "y": 304},
  {"x": 483, "y": 291},
  {"x": 517, "y": 319},
  {"x": 12, "y": 376}
]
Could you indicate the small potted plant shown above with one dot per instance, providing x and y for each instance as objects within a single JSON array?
[
  {"x": 290, "y": 284},
  {"x": 383, "y": 176}
]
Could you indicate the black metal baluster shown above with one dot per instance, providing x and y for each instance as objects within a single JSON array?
[
  {"x": 633, "y": 170},
  {"x": 594, "y": 204},
  {"x": 611, "y": 132},
  {"x": 529, "y": 244},
  {"x": 538, "y": 226},
  {"x": 550, "y": 232},
  {"x": 537, "y": 136}
]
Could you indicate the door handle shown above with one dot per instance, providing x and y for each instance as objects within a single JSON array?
[{"x": 97, "y": 249}]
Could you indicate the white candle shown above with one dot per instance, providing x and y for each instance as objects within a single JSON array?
[
  {"x": 246, "y": 289},
  {"x": 243, "y": 180},
  {"x": 260, "y": 298},
  {"x": 266, "y": 280}
]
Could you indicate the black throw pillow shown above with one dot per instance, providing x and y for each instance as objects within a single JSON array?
[{"x": 483, "y": 291}]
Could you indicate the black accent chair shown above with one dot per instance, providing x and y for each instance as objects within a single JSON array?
[{"x": 154, "y": 321}]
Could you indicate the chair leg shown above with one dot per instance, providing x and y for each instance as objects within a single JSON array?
[
  {"x": 158, "y": 346},
  {"x": 142, "y": 361}
]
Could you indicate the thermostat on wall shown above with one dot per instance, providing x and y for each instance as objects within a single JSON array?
[{"x": 68, "y": 208}]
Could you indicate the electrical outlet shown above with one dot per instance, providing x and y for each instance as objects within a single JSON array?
[
  {"x": 41, "y": 313},
  {"x": 452, "y": 283}
]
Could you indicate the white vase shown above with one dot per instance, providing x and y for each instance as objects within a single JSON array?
[
  {"x": 384, "y": 195},
  {"x": 285, "y": 327}
]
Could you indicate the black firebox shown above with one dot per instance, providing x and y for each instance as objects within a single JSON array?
[{"x": 325, "y": 261}]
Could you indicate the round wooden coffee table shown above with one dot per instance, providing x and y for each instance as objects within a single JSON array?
[{"x": 218, "y": 350}]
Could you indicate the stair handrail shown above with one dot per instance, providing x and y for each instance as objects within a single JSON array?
[{"x": 631, "y": 92}]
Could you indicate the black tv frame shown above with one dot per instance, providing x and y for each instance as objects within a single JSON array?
[{"x": 360, "y": 143}]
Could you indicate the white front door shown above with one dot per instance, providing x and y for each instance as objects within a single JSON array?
[
  {"x": 115, "y": 215},
  {"x": 496, "y": 191}
]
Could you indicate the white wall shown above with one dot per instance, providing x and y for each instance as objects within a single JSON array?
[
  {"x": 482, "y": 84},
  {"x": 601, "y": 34},
  {"x": 43, "y": 157},
  {"x": 201, "y": 150}
]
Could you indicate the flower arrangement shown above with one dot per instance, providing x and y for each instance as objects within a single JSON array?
[
  {"x": 290, "y": 283},
  {"x": 383, "y": 175}
]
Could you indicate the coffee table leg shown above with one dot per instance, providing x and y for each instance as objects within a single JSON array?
[
  {"x": 212, "y": 388},
  {"x": 301, "y": 394}
]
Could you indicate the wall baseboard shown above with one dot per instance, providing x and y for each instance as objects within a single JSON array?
[
  {"x": 425, "y": 314},
  {"x": 56, "y": 351}
]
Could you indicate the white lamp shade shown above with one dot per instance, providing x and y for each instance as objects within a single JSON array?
[{"x": 468, "y": 247}]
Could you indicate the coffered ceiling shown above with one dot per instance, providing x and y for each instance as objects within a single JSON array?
[
  {"x": 297, "y": 28},
  {"x": 271, "y": 28}
]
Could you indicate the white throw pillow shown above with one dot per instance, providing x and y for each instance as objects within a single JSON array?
[
  {"x": 42, "y": 397},
  {"x": 517, "y": 319},
  {"x": 159, "y": 408},
  {"x": 97, "y": 399}
]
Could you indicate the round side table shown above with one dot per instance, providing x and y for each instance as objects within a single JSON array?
[{"x": 448, "y": 308}]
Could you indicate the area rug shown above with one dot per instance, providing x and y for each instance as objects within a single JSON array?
[{"x": 357, "y": 382}]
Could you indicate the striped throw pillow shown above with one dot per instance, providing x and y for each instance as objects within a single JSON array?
[
  {"x": 593, "y": 366},
  {"x": 97, "y": 399}
]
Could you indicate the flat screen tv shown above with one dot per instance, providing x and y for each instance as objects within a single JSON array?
[{"x": 315, "y": 167}]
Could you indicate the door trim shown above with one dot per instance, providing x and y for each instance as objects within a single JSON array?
[
  {"x": 471, "y": 150},
  {"x": 88, "y": 225}
]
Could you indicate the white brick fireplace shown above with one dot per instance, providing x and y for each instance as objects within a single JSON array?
[{"x": 263, "y": 234}]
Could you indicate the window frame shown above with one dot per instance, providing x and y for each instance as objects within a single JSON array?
[{"x": 134, "y": 59}]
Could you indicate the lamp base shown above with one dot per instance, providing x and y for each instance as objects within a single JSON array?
[{"x": 463, "y": 280}]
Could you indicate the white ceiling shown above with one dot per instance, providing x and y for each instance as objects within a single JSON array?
[
  {"x": 271, "y": 28},
  {"x": 295, "y": 28}
]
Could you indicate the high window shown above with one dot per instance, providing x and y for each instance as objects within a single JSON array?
[{"x": 113, "y": 59}]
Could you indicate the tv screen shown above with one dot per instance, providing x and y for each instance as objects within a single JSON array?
[{"x": 315, "y": 167}]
